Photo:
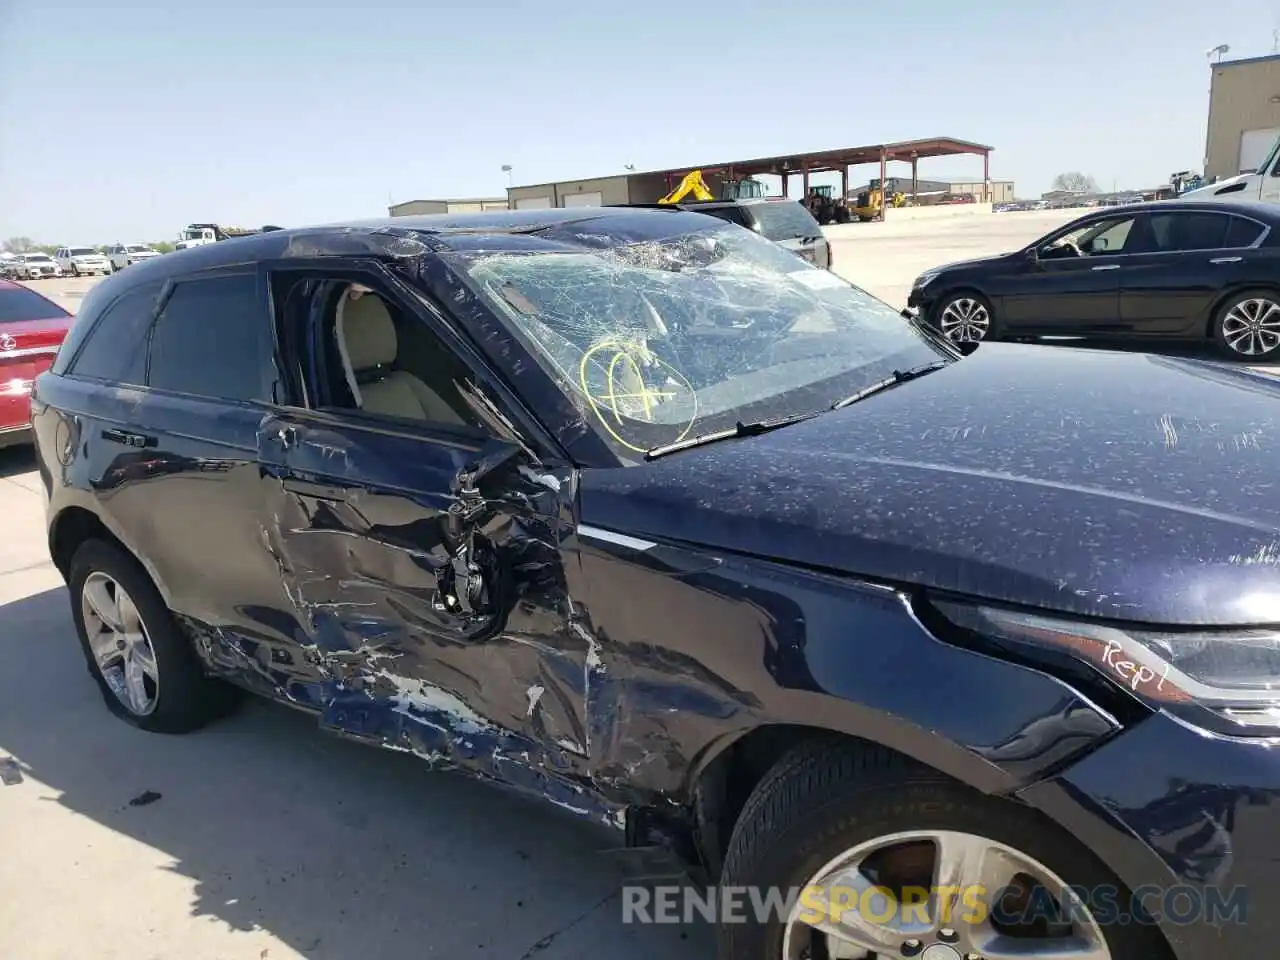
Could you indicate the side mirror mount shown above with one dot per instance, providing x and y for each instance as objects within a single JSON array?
[{"x": 494, "y": 457}]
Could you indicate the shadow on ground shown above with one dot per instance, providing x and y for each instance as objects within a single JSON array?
[
  {"x": 16, "y": 460},
  {"x": 336, "y": 849}
]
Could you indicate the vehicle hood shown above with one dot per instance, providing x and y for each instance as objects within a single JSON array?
[
  {"x": 1103, "y": 484},
  {"x": 972, "y": 262},
  {"x": 87, "y": 257}
]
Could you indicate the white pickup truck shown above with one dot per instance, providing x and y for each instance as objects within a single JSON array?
[{"x": 1262, "y": 184}]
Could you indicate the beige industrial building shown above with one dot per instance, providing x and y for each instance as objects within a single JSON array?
[
  {"x": 1244, "y": 115},
  {"x": 412, "y": 208}
]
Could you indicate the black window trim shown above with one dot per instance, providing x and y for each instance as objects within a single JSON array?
[
  {"x": 171, "y": 284},
  {"x": 524, "y": 426}
]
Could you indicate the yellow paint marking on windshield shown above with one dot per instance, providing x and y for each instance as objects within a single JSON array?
[{"x": 626, "y": 359}]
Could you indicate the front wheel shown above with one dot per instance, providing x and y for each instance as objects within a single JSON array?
[
  {"x": 1247, "y": 327},
  {"x": 966, "y": 318},
  {"x": 872, "y": 856},
  {"x": 75, "y": 271}
]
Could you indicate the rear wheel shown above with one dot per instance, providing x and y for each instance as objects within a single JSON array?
[
  {"x": 145, "y": 667},
  {"x": 966, "y": 317},
  {"x": 864, "y": 834},
  {"x": 1247, "y": 327}
]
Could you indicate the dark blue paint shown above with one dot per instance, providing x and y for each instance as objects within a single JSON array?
[
  {"x": 1113, "y": 485},
  {"x": 783, "y": 586}
]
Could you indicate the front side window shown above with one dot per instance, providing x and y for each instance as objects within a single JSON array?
[
  {"x": 1096, "y": 238},
  {"x": 660, "y": 340},
  {"x": 213, "y": 339}
]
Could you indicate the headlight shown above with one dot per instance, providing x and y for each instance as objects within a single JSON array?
[
  {"x": 925, "y": 279},
  {"x": 1232, "y": 676}
]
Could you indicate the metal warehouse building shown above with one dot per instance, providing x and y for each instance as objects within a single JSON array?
[
  {"x": 649, "y": 187},
  {"x": 412, "y": 208},
  {"x": 1244, "y": 115}
]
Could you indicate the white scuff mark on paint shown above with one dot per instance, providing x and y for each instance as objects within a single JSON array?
[
  {"x": 534, "y": 694},
  {"x": 414, "y": 697},
  {"x": 1266, "y": 555},
  {"x": 566, "y": 744}
]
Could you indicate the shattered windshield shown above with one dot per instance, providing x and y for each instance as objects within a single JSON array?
[{"x": 662, "y": 340}]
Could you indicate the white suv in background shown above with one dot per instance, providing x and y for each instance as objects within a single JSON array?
[
  {"x": 78, "y": 261},
  {"x": 120, "y": 255}
]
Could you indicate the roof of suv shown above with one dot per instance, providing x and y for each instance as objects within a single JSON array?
[{"x": 386, "y": 236}]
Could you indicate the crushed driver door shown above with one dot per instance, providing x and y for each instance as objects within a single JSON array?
[{"x": 424, "y": 566}]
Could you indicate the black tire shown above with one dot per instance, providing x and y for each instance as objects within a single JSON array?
[
  {"x": 1220, "y": 335},
  {"x": 959, "y": 296},
  {"x": 187, "y": 698},
  {"x": 825, "y": 797},
  {"x": 75, "y": 271}
]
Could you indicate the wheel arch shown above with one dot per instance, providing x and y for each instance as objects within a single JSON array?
[
  {"x": 728, "y": 769},
  {"x": 74, "y": 525},
  {"x": 1234, "y": 290}
]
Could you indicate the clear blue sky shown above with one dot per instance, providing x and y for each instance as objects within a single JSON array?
[{"x": 126, "y": 120}]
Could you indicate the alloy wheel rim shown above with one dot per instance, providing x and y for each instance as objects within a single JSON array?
[
  {"x": 943, "y": 926},
  {"x": 120, "y": 643},
  {"x": 965, "y": 320},
  {"x": 1252, "y": 327}
]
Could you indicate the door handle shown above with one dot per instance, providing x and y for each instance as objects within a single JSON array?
[
  {"x": 128, "y": 439},
  {"x": 1226, "y": 259},
  {"x": 1107, "y": 266},
  {"x": 288, "y": 436}
]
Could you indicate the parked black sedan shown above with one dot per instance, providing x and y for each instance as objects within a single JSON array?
[
  {"x": 639, "y": 514},
  {"x": 1164, "y": 270}
]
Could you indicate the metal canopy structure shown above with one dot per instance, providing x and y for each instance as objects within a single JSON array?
[{"x": 839, "y": 160}]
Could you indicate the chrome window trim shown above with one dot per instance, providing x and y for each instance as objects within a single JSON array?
[{"x": 1262, "y": 237}]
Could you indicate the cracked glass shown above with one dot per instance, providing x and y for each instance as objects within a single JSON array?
[{"x": 661, "y": 340}]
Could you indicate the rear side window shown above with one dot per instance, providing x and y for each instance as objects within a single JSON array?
[
  {"x": 1243, "y": 233},
  {"x": 732, "y": 214},
  {"x": 115, "y": 347},
  {"x": 784, "y": 220},
  {"x": 1189, "y": 231},
  {"x": 213, "y": 339}
]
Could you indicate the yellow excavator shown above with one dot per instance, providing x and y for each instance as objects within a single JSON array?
[
  {"x": 691, "y": 184},
  {"x": 869, "y": 204},
  {"x": 694, "y": 185}
]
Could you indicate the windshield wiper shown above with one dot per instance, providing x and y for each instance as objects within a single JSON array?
[
  {"x": 898, "y": 376},
  {"x": 740, "y": 429}
]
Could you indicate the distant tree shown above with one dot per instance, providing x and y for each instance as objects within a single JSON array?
[
  {"x": 46, "y": 248},
  {"x": 18, "y": 245},
  {"x": 1075, "y": 182},
  {"x": 164, "y": 246}
]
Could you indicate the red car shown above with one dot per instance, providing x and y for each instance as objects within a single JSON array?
[{"x": 32, "y": 328}]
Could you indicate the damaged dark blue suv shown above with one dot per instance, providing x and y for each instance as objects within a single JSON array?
[{"x": 640, "y": 514}]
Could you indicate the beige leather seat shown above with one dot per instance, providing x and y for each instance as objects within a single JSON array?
[{"x": 368, "y": 345}]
